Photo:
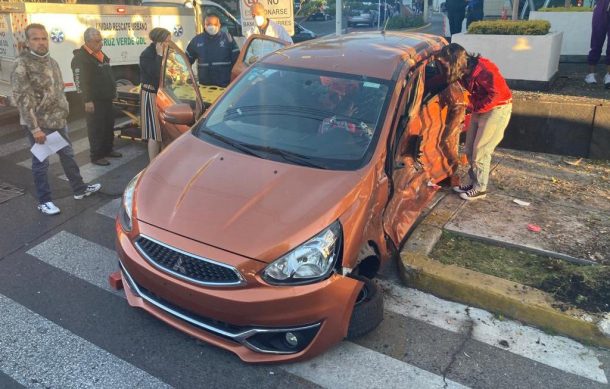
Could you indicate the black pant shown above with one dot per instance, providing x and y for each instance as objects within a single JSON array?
[
  {"x": 455, "y": 22},
  {"x": 100, "y": 128}
]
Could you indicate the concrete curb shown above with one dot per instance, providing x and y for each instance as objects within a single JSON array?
[{"x": 516, "y": 301}]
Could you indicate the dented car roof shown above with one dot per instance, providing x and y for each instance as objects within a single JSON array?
[{"x": 373, "y": 54}]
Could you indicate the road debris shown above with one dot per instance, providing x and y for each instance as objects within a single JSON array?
[
  {"x": 521, "y": 202},
  {"x": 534, "y": 227}
]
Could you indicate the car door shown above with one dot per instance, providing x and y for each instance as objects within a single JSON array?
[
  {"x": 179, "y": 101},
  {"x": 255, "y": 48},
  {"x": 415, "y": 157}
]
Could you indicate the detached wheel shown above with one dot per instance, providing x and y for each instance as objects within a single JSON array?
[{"x": 368, "y": 310}]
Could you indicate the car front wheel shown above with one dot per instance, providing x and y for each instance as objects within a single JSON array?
[{"x": 368, "y": 310}]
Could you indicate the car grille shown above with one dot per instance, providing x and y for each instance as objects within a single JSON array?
[{"x": 187, "y": 266}]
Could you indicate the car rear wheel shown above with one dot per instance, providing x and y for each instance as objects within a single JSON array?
[{"x": 368, "y": 310}]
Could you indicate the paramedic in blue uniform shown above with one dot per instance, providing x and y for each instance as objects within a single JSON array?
[{"x": 215, "y": 52}]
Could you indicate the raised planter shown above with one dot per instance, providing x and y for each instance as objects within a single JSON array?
[
  {"x": 576, "y": 28},
  {"x": 527, "y": 61}
]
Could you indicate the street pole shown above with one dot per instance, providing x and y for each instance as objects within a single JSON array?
[
  {"x": 425, "y": 11},
  {"x": 338, "y": 18},
  {"x": 378, "y": 13},
  {"x": 515, "y": 15}
]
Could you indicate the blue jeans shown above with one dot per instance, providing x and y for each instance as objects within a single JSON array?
[{"x": 40, "y": 169}]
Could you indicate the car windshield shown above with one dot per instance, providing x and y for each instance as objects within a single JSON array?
[{"x": 304, "y": 117}]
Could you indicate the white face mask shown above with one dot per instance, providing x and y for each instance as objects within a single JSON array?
[
  {"x": 211, "y": 29},
  {"x": 259, "y": 20}
]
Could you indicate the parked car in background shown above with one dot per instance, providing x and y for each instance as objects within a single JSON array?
[
  {"x": 260, "y": 229},
  {"x": 319, "y": 16},
  {"x": 302, "y": 34},
  {"x": 357, "y": 17}
]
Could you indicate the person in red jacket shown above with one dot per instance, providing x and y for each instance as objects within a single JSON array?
[{"x": 490, "y": 104}]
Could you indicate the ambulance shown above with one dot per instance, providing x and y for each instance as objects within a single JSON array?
[{"x": 124, "y": 29}]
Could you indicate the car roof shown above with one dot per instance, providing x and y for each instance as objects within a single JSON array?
[{"x": 372, "y": 54}]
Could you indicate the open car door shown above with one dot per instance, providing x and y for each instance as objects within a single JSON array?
[
  {"x": 179, "y": 101},
  {"x": 255, "y": 48}
]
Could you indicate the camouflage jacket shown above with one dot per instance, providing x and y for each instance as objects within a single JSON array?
[{"x": 38, "y": 91}]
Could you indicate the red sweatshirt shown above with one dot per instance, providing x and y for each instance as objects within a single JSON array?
[{"x": 487, "y": 87}]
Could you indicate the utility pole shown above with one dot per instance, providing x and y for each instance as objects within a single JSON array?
[
  {"x": 378, "y": 13},
  {"x": 426, "y": 11},
  {"x": 338, "y": 17}
]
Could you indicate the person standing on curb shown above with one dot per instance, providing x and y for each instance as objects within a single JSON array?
[
  {"x": 215, "y": 52},
  {"x": 599, "y": 30},
  {"x": 265, "y": 26},
  {"x": 490, "y": 106},
  {"x": 95, "y": 83},
  {"x": 456, "y": 11},
  {"x": 38, "y": 90},
  {"x": 475, "y": 11},
  {"x": 150, "y": 74}
]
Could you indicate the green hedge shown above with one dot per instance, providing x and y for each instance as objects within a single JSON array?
[
  {"x": 401, "y": 22},
  {"x": 565, "y": 9},
  {"x": 510, "y": 27}
]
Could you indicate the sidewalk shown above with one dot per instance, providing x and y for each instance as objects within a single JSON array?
[{"x": 569, "y": 199}]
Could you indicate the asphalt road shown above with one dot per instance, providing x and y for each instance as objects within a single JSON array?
[{"x": 61, "y": 326}]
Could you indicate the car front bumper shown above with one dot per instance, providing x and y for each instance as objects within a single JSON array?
[{"x": 252, "y": 319}]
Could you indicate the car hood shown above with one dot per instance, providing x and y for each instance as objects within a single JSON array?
[{"x": 240, "y": 203}]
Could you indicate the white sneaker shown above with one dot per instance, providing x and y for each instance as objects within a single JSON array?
[
  {"x": 607, "y": 80},
  {"x": 590, "y": 79},
  {"x": 48, "y": 208},
  {"x": 89, "y": 190}
]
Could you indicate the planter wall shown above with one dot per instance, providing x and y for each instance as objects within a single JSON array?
[
  {"x": 576, "y": 28},
  {"x": 526, "y": 61}
]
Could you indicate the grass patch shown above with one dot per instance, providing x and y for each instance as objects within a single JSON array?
[
  {"x": 587, "y": 287},
  {"x": 565, "y": 9}
]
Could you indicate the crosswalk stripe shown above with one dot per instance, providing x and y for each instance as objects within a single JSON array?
[
  {"x": 93, "y": 263},
  {"x": 90, "y": 172},
  {"x": 78, "y": 146},
  {"x": 79, "y": 257},
  {"x": 14, "y": 146},
  {"x": 110, "y": 209},
  {"x": 367, "y": 369},
  {"x": 36, "y": 352},
  {"x": 555, "y": 351}
]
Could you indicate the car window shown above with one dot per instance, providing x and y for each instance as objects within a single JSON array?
[
  {"x": 435, "y": 80},
  {"x": 333, "y": 119},
  {"x": 258, "y": 48},
  {"x": 177, "y": 81}
]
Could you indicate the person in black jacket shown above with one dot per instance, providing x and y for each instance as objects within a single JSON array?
[
  {"x": 150, "y": 73},
  {"x": 215, "y": 51},
  {"x": 95, "y": 83},
  {"x": 456, "y": 11}
]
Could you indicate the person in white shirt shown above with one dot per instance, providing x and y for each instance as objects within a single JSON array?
[{"x": 266, "y": 26}]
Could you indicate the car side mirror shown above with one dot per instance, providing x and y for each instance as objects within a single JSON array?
[{"x": 179, "y": 114}]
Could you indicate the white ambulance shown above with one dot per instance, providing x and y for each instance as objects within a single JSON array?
[{"x": 124, "y": 29}]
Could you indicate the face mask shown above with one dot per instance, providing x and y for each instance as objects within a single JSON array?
[
  {"x": 212, "y": 30},
  {"x": 259, "y": 20}
]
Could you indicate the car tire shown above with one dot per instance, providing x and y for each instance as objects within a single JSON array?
[{"x": 368, "y": 310}]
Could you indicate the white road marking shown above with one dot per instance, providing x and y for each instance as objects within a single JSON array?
[
  {"x": 36, "y": 352},
  {"x": 555, "y": 351},
  {"x": 79, "y": 257},
  {"x": 350, "y": 366},
  {"x": 110, "y": 209},
  {"x": 14, "y": 146},
  {"x": 90, "y": 172}
]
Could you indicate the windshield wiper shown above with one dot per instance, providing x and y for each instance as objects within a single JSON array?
[
  {"x": 289, "y": 156},
  {"x": 233, "y": 143}
]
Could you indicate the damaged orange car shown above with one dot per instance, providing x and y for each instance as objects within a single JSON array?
[{"x": 260, "y": 229}]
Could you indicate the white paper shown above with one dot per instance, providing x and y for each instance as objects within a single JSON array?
[
  {"x": 53, "y": 144},
  {"x": 521, "y": 202}
]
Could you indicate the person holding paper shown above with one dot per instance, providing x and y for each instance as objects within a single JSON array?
[{"x": 38, "y": 90}]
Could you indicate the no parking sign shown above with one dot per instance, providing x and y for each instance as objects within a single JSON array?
[{"x": 280, "y": 11}]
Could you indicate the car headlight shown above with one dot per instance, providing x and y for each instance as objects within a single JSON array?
[
  {"x": 127, "y": 203},
  {"x": 310, "y": 262}
]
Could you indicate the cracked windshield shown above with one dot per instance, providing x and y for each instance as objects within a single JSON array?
[{"x": 306, "y": 118}]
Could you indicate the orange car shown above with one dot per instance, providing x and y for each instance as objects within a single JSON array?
[{"x": 259, "y": 230}]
